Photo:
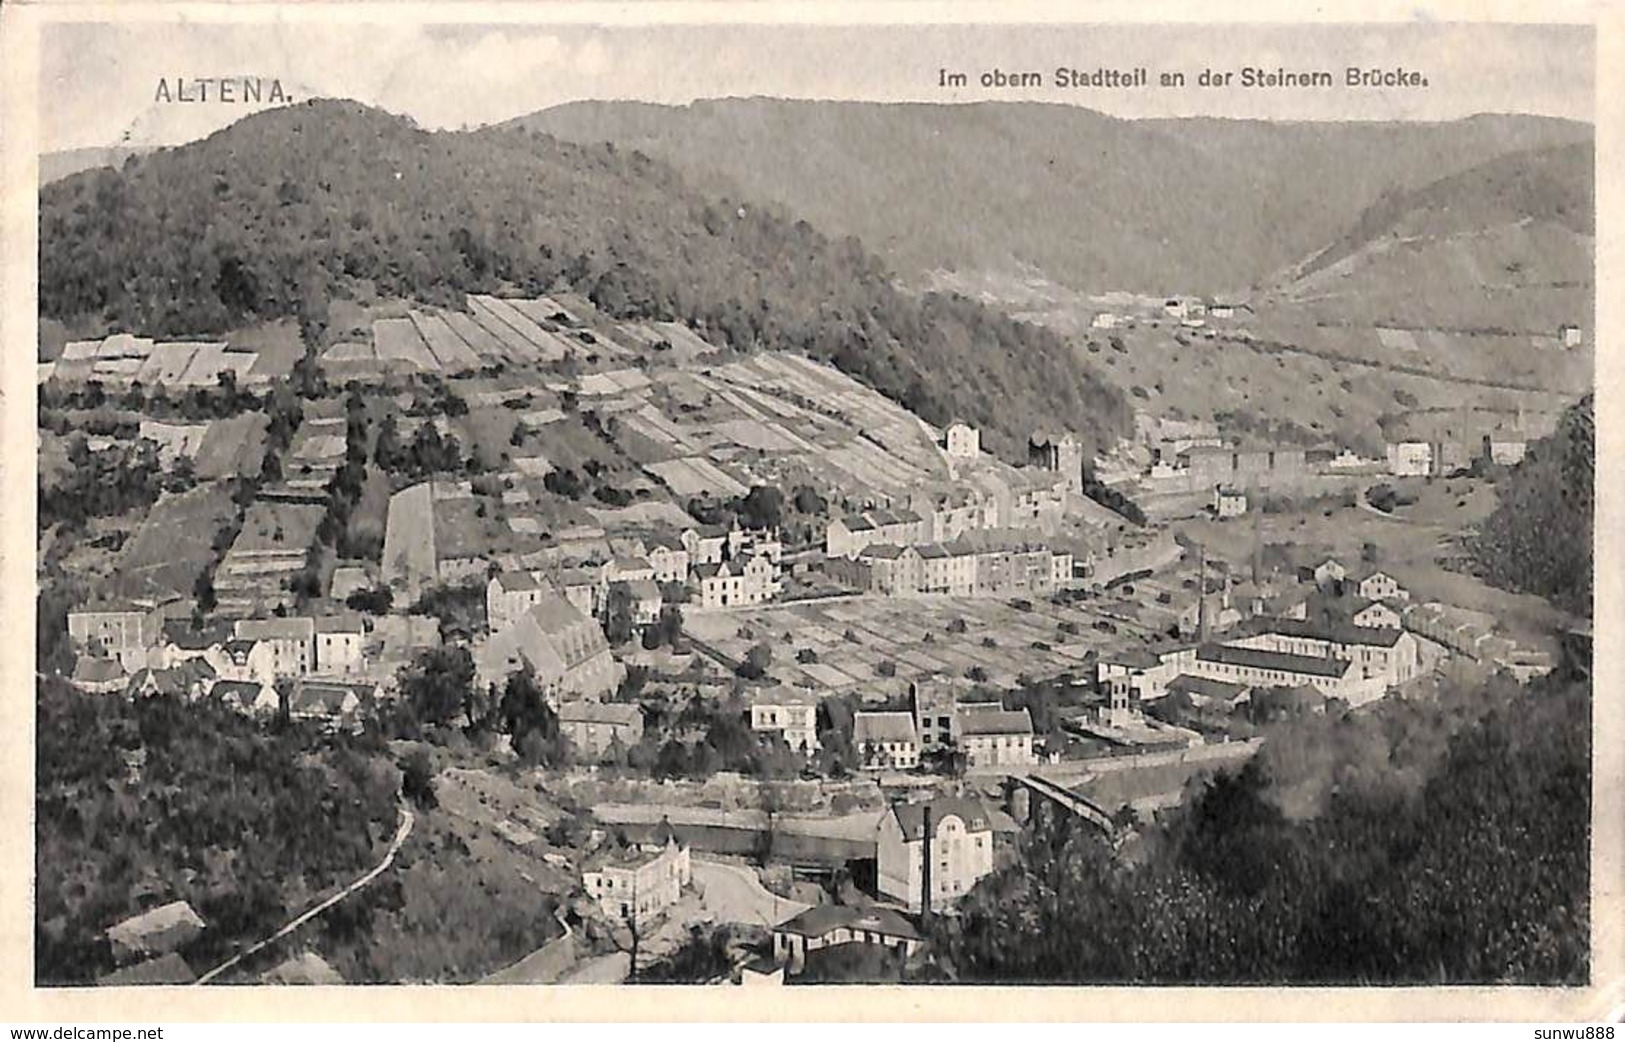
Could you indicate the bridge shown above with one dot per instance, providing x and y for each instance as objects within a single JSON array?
[{"x": 1050, "y": 795}]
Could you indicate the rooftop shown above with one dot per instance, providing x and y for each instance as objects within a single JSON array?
[
  {"x": 883, "y": 727},
  {"x": 996, "y": 722},
  {"x": 911, "y": 816},
  {"x": 821, "y": 920},
  {"x": 275, "y": 629},
  {"x": 1333, "y": 632},
  {"x": 1205, "y": 687},
  {"x": 1257, "y": 658}
]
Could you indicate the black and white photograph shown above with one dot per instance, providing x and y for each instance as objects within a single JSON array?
[{"x": 545, "y": 503}]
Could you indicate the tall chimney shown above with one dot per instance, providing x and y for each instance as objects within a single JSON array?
[
  {"x": 925, "y": 867},
  {"x": 1201, "y": 596}
]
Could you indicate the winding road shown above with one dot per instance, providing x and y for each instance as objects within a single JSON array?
[{"x": 403, "y": 830}]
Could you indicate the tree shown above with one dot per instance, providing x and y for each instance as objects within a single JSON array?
[
  {"x": 376, "y": 600},
  {"x": 618, "y": 614},
  {"x": 524, "y": 707},
  {"x": 417, "y": 778},
  {"x": 437, "y": 684},
  {"x": 761, "y": 507},
  {"x": 756, "y": 662}
]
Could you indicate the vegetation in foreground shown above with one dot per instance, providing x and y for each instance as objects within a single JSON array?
[{"x": 1440, "y": 843}]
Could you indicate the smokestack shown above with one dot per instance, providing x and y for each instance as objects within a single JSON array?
[
  {"x": 925, "y": 867},
  {"x": 1201, "y": 596}
]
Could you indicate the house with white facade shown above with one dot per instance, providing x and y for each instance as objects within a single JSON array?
[
  {"x": 636, "y": 885},
  {"x": 886, "y": 740},
  {"x": 292, "y": 643},
  {"x": 828, "y": 925},
  {"x": 949, "y": 839},
  {"x": 997, "y": 738},
  {"x": 789, "y": 712}
]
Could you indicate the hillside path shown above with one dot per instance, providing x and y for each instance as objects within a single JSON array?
[{"x": 403, "y": 830}]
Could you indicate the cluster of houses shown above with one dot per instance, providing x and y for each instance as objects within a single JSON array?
[
  {"x": 330, "y": 668},
  {"x": 986, "y": 734},
  {"x": 963, "y": 568},
  {"x": 987, "y": 532},
  {"x": 441, "y": 532},
  {"x": 1364, "y": 639},
  {"x": 928, "y": 855}
]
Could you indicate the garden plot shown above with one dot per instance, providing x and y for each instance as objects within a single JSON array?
[
  {"x": 233, "y": 447},
  {"x": 695, "y": 475},
  {"x": 895, "y": 630},
  {"x": 476, "y": 336},
  {"x": 514, "y": 344},
  {"x": 549, "y": 348},
  {"x": 449, "y": 350},
  {"x": 397, "y": 340}
]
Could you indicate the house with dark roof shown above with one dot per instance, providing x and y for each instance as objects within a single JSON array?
[
  {"x": 994, "y": 738},
  {"x": 564, "y": 649},
  {"x": 335, "y": 705},
  {"x": 188, "y": 680},
  {"x": 953, "y": 835},
  {"x": 97, "y": 675},
  {"x": 886, "y": 741},
  {"x": 1206, "y": 691},
  {"x": 249, "y": 697},
  {"x": 824, "y": 926},
  {"x": 593, "y": 726}
]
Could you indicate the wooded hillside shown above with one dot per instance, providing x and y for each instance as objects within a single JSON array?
[{"x": 285, "y": 209}]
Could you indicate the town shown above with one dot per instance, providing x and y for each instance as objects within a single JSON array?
[{"x": 742, "y": 665}]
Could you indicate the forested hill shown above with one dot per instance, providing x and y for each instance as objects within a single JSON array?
[
  {"x": 336, "y": 199},
  {"x": 1088, "y": 200},
  {"x": 1539, "y": 538}
]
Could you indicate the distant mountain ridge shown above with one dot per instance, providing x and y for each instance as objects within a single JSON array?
[
  {"x": 1088, "y": 200},
  {"x": 285, "y": 209},
  {"x": 1507, "y": 245}
]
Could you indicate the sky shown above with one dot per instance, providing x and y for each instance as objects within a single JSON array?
[{"x": 99, "y": 80}]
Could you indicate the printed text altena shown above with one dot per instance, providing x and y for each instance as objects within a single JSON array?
[{"x": 226, "y": 89}]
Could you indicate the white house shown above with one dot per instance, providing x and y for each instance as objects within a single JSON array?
[
  {"x": 963, "y": 441},
  {"x": 996, "y": 738},
  {"x": 1377, "y": 615},
  {"x": 1380, "y": 586},
  {"x": 1228, "y": 502},
  {"x": 1410, "y": 459},
  {"x": 956, "y": 835},
  {"x": 740, "y": 582},
  {"x": 886, "y": 740},
  {"x": 509, "y": 595},
  {"x": 340, "y": 644},
  {"x": 292, "y": 643},
  {"x": 634, "y": 886},
  {"x": 790, "y": 713}
]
